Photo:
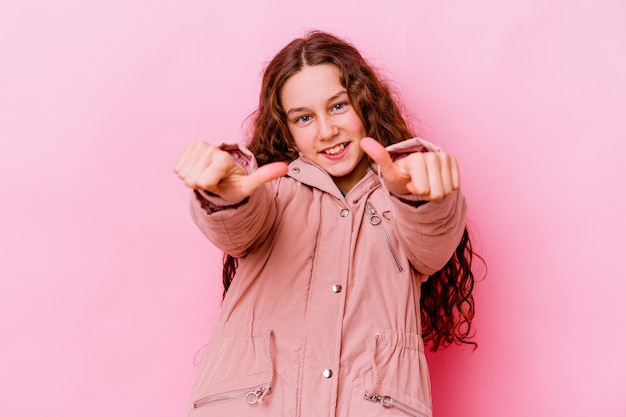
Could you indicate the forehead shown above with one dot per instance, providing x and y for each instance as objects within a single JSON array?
[{"x": 311, "y": 85}]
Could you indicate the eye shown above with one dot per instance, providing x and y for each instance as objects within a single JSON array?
[
  {"x": 339, "y": 106},
  {"x": 303, "y": 119}
]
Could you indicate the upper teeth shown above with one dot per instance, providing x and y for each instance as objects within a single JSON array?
[{"x": 336, "y": 149}]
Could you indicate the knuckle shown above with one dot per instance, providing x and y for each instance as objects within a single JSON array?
[
  {"x": 436, "y": 195},
  {"x": 436, "y": 158}
]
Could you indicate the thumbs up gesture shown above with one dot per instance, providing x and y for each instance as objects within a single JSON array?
[
  {"x": 430, "y": 175},
  {"x": 203, "y": 166}
]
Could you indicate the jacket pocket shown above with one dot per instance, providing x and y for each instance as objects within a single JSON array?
[
  {"x": 398, "y": 383},
  {"x": 240, "y": 397},
  {"x": 387, "y": 401},
  {"x": 236, "y": 375},
  {"x": 251, "y": 395}
]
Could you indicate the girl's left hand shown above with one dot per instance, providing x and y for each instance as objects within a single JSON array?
[{"x": 430, "y": 175}]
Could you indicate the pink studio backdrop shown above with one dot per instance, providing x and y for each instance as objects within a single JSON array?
[{"x": 108, "y": 290}]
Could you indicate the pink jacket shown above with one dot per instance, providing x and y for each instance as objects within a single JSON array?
[{"x": 323, "y": 317}]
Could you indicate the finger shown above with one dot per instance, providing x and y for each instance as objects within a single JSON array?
[
  {"x": 211, "y": 168},
  {"x": 262, "y": 175},
  {"x": 435, "y": 178},
  {"x": 180, "y": 161},
  {"x": 450, "y": 174},
  {"x": 379, "y": 155},
  {"x": 456, "y": 173},
  {"x": 194, "y": 161},
  {"x": 416, "y": 166},
  {"x": 184, "y": 159},
  {"x": 446, "y": 172}
]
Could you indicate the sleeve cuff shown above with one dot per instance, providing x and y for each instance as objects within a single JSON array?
[
  {"x": 213, "y": 203},
  {"x": 411, "y": 199}
]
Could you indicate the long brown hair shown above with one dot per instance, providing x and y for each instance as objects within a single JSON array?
[{"x": 447, "y": 304}]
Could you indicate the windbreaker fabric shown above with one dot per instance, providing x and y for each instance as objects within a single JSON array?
[{"x": 323, "y": 317}]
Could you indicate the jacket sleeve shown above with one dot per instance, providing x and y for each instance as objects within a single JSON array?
[
  {"x": 428, "y": 231},
  {"x": 235, "y": 228}
]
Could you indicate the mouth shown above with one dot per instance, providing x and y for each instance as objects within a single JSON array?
[{"x": 335, "y": 150}]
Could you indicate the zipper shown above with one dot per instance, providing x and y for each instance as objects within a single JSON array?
[
  {"x": 385, "y": 400},
  {"x": 388, "y": 402},
  {"x": 376, "y": 220},
  {"x": 254, "y": 395},
  {"x": 251, "y": 395}
]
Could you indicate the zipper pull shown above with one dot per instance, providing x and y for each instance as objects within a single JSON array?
[
  {"x": 371, "y": 397},
  {"x": 388, "y": 402},
  {"x": 374, "y": 217},
  {"x": 376, "y": 220},
  {"x": 253, "y": 396},
  {"x": 385, "y": 401}
]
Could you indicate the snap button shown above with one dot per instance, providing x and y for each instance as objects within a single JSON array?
[
  {"x": 327, "y": 373},
  {"x": 344, "y": 212},
  {"x": 337, "y": 288},
  {"x": 295, "y": 170}
]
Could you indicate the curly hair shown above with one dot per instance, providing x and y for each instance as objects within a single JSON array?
[
  {"x": 372, "y": 100},
  {"x": 447, "y": 303}
]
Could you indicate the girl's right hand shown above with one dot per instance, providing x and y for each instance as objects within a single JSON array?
[{"x": 203, "y": 166}]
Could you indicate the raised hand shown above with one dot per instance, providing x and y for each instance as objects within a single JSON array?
[
  {"x": 430, "y": 175},
  {"x": 203, "y": 166}
]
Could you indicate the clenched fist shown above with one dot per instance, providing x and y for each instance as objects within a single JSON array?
[{"x": 203, "y": 166}]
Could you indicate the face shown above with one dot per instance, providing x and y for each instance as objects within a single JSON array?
[{"x": 323, "y": 124}]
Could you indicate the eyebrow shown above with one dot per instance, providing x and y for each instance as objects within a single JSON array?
[{"x": 334, "y": 97}]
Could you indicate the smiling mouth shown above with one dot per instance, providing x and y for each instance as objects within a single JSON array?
[{"x": 335, "y": 149}]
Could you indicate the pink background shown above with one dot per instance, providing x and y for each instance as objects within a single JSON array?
[{"x": 108, "y": 290}]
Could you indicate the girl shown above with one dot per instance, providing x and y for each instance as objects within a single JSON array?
[{"x": 345, "y": 247}]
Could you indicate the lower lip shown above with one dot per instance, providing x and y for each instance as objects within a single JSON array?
[{"x": 337, "y": 155}]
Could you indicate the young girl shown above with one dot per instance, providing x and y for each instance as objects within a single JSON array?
[{"x": 345, "y": 247}]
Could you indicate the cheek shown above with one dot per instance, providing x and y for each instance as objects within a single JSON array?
[
  {"x": 302, "y": 139},
  {"x": 356, "y": 125},
  {"x": 294, "y": 138}
]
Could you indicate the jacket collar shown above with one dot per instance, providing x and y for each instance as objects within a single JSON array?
[{"x": 309, "y": 173}]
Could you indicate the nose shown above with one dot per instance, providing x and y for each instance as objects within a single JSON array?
[{"x": 327, "y": 129}]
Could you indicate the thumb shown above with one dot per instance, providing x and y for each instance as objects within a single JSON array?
[
  {"x": 378, "y": 153},
  {"x": 264, "y": 174}
]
